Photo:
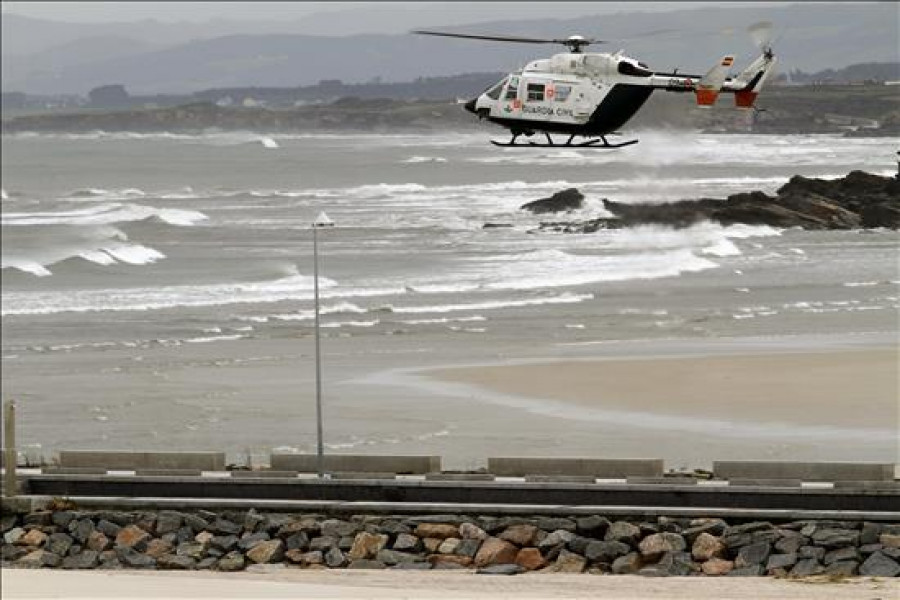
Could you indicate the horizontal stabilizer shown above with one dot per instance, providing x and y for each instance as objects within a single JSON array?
[{"x": 710, "y": 85}]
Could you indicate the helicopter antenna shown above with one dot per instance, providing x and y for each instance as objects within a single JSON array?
[{"x": 575, "y": 43}]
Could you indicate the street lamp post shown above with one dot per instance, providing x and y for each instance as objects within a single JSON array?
[{"x": 321, "y": 221}]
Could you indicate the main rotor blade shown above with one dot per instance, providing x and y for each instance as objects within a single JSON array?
[{"x": 494, "y": 38}]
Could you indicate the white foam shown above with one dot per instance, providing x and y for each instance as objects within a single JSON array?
[
  {"x": 268, "y": 142},
  {"x": 443, "y": 320},
  {"x": 490, "y": 305},
  {"x": 25, "y": 266},
  {"x": 3, "y": 194},
  {"x": 722, "y": 248},
  {"x": 415, "y": 160},
  {"x": 338, "y": 324},
  {"x": 214, "y": 338},
  {"x": 134, "y": 254},
  {"x": 104, "y": 214}
]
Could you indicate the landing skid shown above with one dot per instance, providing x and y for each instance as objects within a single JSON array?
[{"x": 598, "y": 143}]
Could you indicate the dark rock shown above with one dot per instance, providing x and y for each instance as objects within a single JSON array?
[
  {"x": 184, "y": 534},
  {"x": 207, "y": 563},
  {"x": 842, "y": 568},
  {"x": 566, "y": 200},
  {"x": 60, "y": 518},
  {"x": 736, "y": 540},
  {"x": 225, "y": 543},
  {"x": 748, "y": 571},
  {"x": 87, "y": 559},
  {"x": 9, "y": 521},
  {"x": 174, "y": 561},
  {"x": 628, "y": 564},
  {"x": 168, "y": 520},
  {"x": 781, "y": 561},
  {"x": 677, "y": 564},
  {"x": 807, "y": 567},
  {"x": 811, "y": 552},
  {"x": 393, "y": 557},
  {"x": 622, "y": 531},
  {"x": 714, "y": 527},
  {"x": 841, "y": 554},
  {"x": 194, "y": 550},
  {"x": 323, "y": 543},
  {"x": 605, "y": 551},
  {"x": 346, "y": 542},
  {"x": 764, "y": 537},
  {"x": 554, "y": 524},
  {"x": 835, "y": 538},
  {"x": 271, "y": 551},
  {"x": 394, "y": 528},
  {"x": 521, "y": 535},
  {"x": 406, "y": 542},
  {"x": 869, "y": 549},
  {"x": 233, "y": 561},
  {"x": 748, "y": 528},
  {"x": 195, "y": 522},
  {"x": 892, "y": 553},
  {"x": 250, "y": 540},
  {"x": 38, "y": 518},
  {"x": 869, "y": 533},
  {"x": 334, "y": 558},
  {"x": 754, "y": 554},
  {"x": 337, "y": 528},
  {"x": 252, "y": 520},
  {"x": 593, "y": 526},
  {"x": 466, "y": 547},
  {"x": 657, "y": 544},
  {"x": 224, "y": 527},
  {"x": 108, "y": 528},
  {"x": 879, "y": 565},
  {"x": 579, "y": 544},
  {"x": 38, "y": 559},
  {"x": 59, "y": 543},
  {"x": 506, "y": 569},
  {"x": 129, "y": 557},
  {"x": 81, "y": 529},
  {"x": 365, "y": 563},
  {"x": 298, "y": 541},
  {"x": 133, "y": 536},
  {"x": 11, "y": 553},
  {"x": 789, "y": 544}
]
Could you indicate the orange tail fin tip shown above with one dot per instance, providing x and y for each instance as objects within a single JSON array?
[
  {"x": 745, "y": 99},
  {"x": 706, "y": 97}
]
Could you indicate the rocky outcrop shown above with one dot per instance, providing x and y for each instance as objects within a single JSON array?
[
  {"x": 233, "y": 541},
  {"x": 859, "y": 200},
  {"x": 566, "y": 200}
]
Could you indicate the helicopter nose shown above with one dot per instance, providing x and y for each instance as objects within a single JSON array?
[{"x": 470, "y": 105}]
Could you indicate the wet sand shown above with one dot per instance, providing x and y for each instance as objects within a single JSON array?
[
  {"x": 855, "y": 389},
  {"x": 309, "y": 584}
]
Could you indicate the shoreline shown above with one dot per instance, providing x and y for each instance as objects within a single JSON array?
[{"x": 794, "y": 392}]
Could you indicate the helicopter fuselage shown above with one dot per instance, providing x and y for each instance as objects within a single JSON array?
[{"x": 593, "y": 94}]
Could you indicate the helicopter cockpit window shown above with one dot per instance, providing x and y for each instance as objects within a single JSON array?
[
  {"x": 627, "y": 68},
  {"x": 494, "y": 92},
  {"x": 535, "y": 92},
  {"x": 562, "y": 93},
  {"x": 512, "y": 92}
]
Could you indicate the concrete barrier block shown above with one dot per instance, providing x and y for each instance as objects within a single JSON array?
[
  {"x": 560, "y": 479},
  {"x": 73, "y": 470},
  {"x": 592, "y": 467},
  {"x": 661, "y": 481},
  {"x": 459, "y": 477},
  {"x": 765, "y": 482},
  {"x": 805, "y": 471},
  {"x": 168, "y": 472},
  {"x": 364, "y": 475},
  {"x": 268, "y": 473},
  {"x": 868, "y": 485},
  {"x": 125, "y": 460},
  {"x": 357, "y": 463}
]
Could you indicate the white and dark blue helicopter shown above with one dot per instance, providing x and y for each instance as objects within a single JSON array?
[{"x": 592, "y": 95}]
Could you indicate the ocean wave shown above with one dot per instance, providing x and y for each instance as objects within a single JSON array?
[
  {"x": 567, "y": 298},
  {"x": 416, "y": 160},
  {"x": 105, "y": 214}
]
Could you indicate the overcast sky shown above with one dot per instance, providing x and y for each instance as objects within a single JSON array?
[{"x": 457, "y": 12}]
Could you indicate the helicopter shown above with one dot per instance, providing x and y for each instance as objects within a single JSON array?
[{"x": 592, "y": 95}]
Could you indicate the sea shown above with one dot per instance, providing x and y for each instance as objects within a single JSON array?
[{"x": 157, "y": 289}]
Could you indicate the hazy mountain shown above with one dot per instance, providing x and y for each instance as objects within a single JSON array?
[{"x": 814, "y": 37}]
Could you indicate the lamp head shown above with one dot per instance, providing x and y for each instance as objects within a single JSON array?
[{"x": 323, "y": 221}]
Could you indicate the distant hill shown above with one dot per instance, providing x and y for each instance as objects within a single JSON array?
[{"x": 815, "y": 37}]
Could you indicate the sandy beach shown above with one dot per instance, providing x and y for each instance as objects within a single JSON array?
[
  {"x": 295, "y": 583},
  {"x": 845, "y": 389}
]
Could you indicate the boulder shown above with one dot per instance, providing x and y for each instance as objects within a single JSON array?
[
  {"x": 437, "y": 530},
  {"x": 334, "y": 558},
  {"x": 13, "y": 535},
  {"x": 495, "y": 551},
  {"x": 225, "y": 543},
  {"x": 470, "y": 531},
  {"x": 811, "y": 552},
  {"x": 530, "y": 559},
  {"x": 225, "y": 527},
  {"x": 790, "y": 542},
  {"x": 131, "y": 558},
  {"x": 556, "y": 524},
  {"x": 567, "y": 562},
  {"x": 441, "y": 560},
  {"x": 194, "y": 550},
  {"x": 233, "y": 561},
  {"x": 841, "y": 554},
  {"x": 431, "y": 544},
  {"x": 367, "y": 545},
  {"x": 505, "y": 569},
  {"x": 337, "y": 528},
  {"x": 59, "y": 543},
  {"x": 781, "y": 561},
  {"x": 86, "y": 559},
  {"x": 468, "y": 547},
  {"x": 560, "y": 536},
  {"x": 81, "y": 529},
  {"x": 707, "y": 546},
  {"x": 748, "y": 571},
  {"x": 889, "y": 540},
  {"x": 406, "y": 542},
  {"x": 717, "y": 566},
  {"x": 842, "y": 568},
  {"x": 657, "y": 544},
  {"x": 323, "y": 543},
  {"x": 393, "y": 557},
  {"x": 835, "y": 538},
  {"x": 305, "y": 558},
  {"x": 298, "y": 541},
  {"x": 364, "y": 563},
  {"x": 34, "y": 538},
  {"x": 807, "y": 567},
  {"x": 176, "y": 562},
  {"x": 605, "y": 551},
  {"x": 250, "y": 540},
  {"x": 270, "y": 551},
  {"x": 37, "y": 559},
  {"x": 754, "y": 554},
  {"x": 622, "y": 531},
  {"x": 108, "y": 528},
  {"x": 134, "y": 537},
  {"x": 521, "y": 535},
  {"x": 448, "y": 546},
  {"x": 157, "y": 548},
  {"x": 593, "y": 526},
  {"x": 566, "y": 200},
  {"x": 627, "y": 565},
  {"x": 879, "y": 565},
  {"x": 167, "y": 521}
]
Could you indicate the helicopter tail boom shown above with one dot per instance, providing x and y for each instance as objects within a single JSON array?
[
  {"x": 709, "y": 86},
  {"x": 748, "y": 84}
]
